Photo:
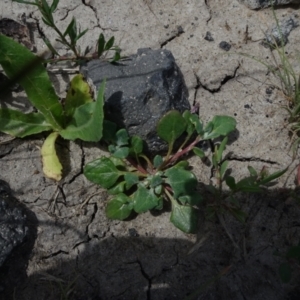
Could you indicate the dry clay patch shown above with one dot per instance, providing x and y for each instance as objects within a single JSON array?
[{"x": 105, "y": 257}]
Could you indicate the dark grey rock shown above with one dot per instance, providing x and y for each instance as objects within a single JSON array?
[
  {"x": 278, "y": 35},
  {"x": 257, "y": 4},
  {"x": 209, "y": 37},
  {"x": 225, "y": 46},
  {"x": 139, "y": 91},
  {"x": 13, "y": 227}
]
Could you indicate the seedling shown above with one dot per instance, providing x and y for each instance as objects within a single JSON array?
[
  {"x": 138, "y": 184},
  {"x": 70, "y": 37}
]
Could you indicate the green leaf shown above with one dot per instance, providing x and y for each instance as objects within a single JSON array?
[
  {"x": 248, "y": 184},
  {"x": 136, "y": 144},
  {"x": 101, "y": 44},
  {"x": 54, "y": 6},
  {"x": 194, "y": 198},
  {"x": 18, "y": 124},
  {"x": 199, "y": 152},
  {"x": 193, "y": 122},
  {"x": 117, "y": 56},
  {"x": 230, "y": 181},
  {"x": 219, "y": 126},
  {"x": 81, "y": 34},
  {"x": 182, "y": 182},
  {"x": 78, "y": 94},
  {"x": 157, "y": 161},
  {"x": 171, "y": 126},
  {"x": 184, "y": 217},
  {"x": 183, "y": 164},
  {"x": 119, "y": 208},
  {"x": 285, "y": 272},
  {"x": 110, "y": 43},
  {"x": 71, "y": 30},
  {"x": 102, "y": 171},
  {"x": 19, "y": 63},
  {"x": 221, "y": 149},
  {"x": 223, "y": 168},
  {"x": 144, "y": 200},
  {"x": 155, "y": 181},
  {"x": 122, "y": 137},
  {"x": 131, "y": 179},
  {"x": 252, "y": 171},
  {"x": 120, "y": 152},
  {"x": 272, "y": 177},
  {"x": 117, "y": 189},
  {"x": 87, "y": 121}
]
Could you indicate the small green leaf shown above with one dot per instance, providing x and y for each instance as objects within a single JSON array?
[
  {"x": 285, "y": 272},
  {"x": 182, "y": 182},
  {"x": 81, "y": 34},
  {"x": 230, "y": 181},
  {"x": 119, "y": 208},
  {"x": 183, "y": 164},
  {"x": 117, "y": 56},
  {"x": 78, "y": 94},
  {"x": 71, "y": 30},
  {"x": 110, "y": 43},
  {"x": 155, "y": 181},
  {"x": 50, "y": 47},
  {"x": 101, "y": 44},
  {"x": 193, "y": 122},
  {"x": 131, "y": 179},
  {"x": 221, "y": 149},
  {"x": 120, "y": 152},
  {"x": 199, "y": 152},
  {"x": 223, "y": 168},
  {"x": 18, "y": 124},
  {"x": 157, "y": 161},
  {"x": 252, "y": 171},
  {"x": 248, "y": 184},
  {"x": 272, "y": 177},
  {"x": 122, "y": 137},
  {"x": 158, "y": 190},
  {"x": 184, "y": 217},
  {"x": 54, "y": 6},
  {"x": 117, "y": 188},
  {"x": 103, "y": 172},
  {"x": 219, "y": 126},
  {"x": 119, "y": 163},
  {"x": 87, "y": 120},
  {"x": 171, "y": 126},
  {"x": 144, "y": 199},
  {"x": 136, "y": 144}
]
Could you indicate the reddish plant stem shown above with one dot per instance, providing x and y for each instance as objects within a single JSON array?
[
  {"x": 136, "y": 165},
  {"x": 186, "y": 150}
]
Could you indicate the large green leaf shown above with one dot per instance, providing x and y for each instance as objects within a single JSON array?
[
  {"x": 87, "y": 121},
  {"x": 102, "y": 171},
  {"x": 19, "y": 63},
  {"x": 144, "y": 200},
  {"x": 19, "y": 124},
  {"x": 78, "y": 94},
  {"x": 171, "y": 126},
  {"x": 182, "y": 182},
  {"x": 184, "y": 217},
  {"x": 119, "y": 208},
  {"x": 219, "y": 126}
]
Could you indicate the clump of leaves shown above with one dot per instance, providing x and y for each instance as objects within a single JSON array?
[
  {"x": 138, "y": 184},
  {"x": 79, "y": 118},
  {"x": 70, "y": 37},
  {"x": 292, "y": 261}
]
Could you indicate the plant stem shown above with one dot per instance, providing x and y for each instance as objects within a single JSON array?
[{"x": 136, "y": 165}]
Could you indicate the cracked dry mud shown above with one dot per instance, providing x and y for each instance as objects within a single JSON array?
[{"x": 77, "y": 252}]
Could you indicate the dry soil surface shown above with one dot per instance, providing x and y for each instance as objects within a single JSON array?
[{"x": 77, "y": 253}]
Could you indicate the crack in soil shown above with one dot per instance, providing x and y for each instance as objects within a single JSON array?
[
  {"x": 54, "y": 254},
  {"x": 209, "y": 10},
  {"x": 67, "y": 13},
  {"x": 2, "y": 155},
  {"x": 243, "y": 159},
  {"x": 179, "y": 32},
  {"x": 147, "y": 277}
]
